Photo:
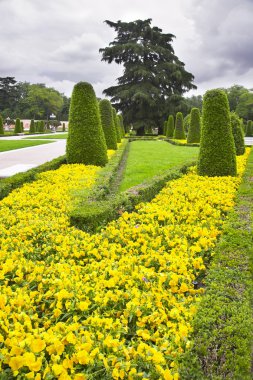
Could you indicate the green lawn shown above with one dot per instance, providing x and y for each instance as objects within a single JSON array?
[
  {"x": 53, "y": 136},
  {"x": 149, "y": 158},
  {"x": 18, "y": 144}
]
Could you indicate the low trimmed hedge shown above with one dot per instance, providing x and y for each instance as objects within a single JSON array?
[
  {"x": 173, "y": 142},
  {"x": 10, "y": 183},
  {"x": 95, "y": 212},
  {"x": 222, "y": 329}
]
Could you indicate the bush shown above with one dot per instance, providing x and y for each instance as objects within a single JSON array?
[
  {"x": 116, "y": 123},
  {"x": 86, "y": 141},
  {"x": 17, "y": 128},
  {"x": 1, "y": 126},
  {"x": 249, "y": 129},
  {"x": 195, "y": 127},
  {"x": 170, "y": 127},
  {"x": 108, "y": 124},
  {"x": 41, "y": 126},
  {"x": 63, "y": 127},
  {"x": 121, "y": 123},
  {"x": 32, "y": 127},
  {"x": 179, "y": 127},
  {"x": 217, "y": 156},
  {"x": 238, "y": 134},
  {"x": 187, "y": 121},
  {"x": 165, "y": 128}
]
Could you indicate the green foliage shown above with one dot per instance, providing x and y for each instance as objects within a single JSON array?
[
  {"x": 195, "y": 127},
  {"x": 179, "y": 133},
  {"x": 1, "y": 126},
  {"x": 22, "y": 126},
  {"x": 187, "y": 121},
  {"x": 154, "y": 79},
  {"x": 17, "y": 180},
  {"x": 244, "y": 108},
  {"x": 17, "y": 128},
  {"x": 41, "y": 126},
  {"x": 86, "y": 142},
  {"x": 32, "y": 127},
  {"x": 170, "y": 126},
  {"x": 222, "y": 329},
  {"x": 108, "y": 124},
  {"x": 165, "y": 127},
  {"x": 116, "y": 124},
  {"x": 249, "y": 128},
  {"x": 217, "y": 156},
  {"x": 121, "y": 123},
  {"x": 63, "y": 127},
  {"x": 238, "y": 134}
]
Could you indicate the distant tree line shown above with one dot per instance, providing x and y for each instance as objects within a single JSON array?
[{"x": 31, "y": 101}]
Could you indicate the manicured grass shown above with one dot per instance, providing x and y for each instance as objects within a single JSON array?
[
  {"x": 149, "y": 158},
  {"x": 53, "y": 136},
  {"x": 18, "y": 144}
]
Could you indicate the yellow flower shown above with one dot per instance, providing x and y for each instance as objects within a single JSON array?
[{"x": 37, "y": 345}]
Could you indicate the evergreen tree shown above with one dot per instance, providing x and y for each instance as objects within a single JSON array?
[
  {"x": 249, "y": 129},
  {"x": 63, "y": 127},
  {"x": 179, "y": 127},
  {"x": 17, "y": 128},
  {"x": 116, "y": 123},
  {"x": 217, "y": 156},
  {"x": 195, "y": 127},
  {"x": 108, "y": 124},
  {"x": 1, "y": 126},
  {"x": 32, "y": 127},
  {"x": 121, "y": 123},
  {"x": 153, "y": 78},
  {"x": 22, "y": 126},
  {"x": 41, "y": 126},
  {"x": 170, "y": 127},
  {"x": 238, "y": 134},
  {"x": 86, "y": 141},
  {"x": 165, "y": 127}
]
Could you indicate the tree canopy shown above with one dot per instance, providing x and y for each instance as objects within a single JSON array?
[{"x": 153, "y": 77}]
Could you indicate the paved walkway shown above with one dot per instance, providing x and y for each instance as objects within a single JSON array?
[{"x": 20, "y": 160}]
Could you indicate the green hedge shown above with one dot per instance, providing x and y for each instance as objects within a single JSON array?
[
  {"x": 173, "y": 142},
  {"x": 17, "y": 180},
  {"x": 179, "y": 132},
  {"x": 222, "y": 337},
  {"x": 95, "y": 211}
]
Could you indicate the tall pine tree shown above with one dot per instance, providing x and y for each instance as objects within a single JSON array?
[{"x": 153, "y": 78}]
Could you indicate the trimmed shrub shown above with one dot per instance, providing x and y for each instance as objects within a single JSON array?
[
  {"x": 179, "y": 127},
  {"x": 1, "y": 126},
  {"x": 41, "y": 126},
  {"x": 63, "y": 127},
  {"x": 32, "y": 127},
  {"x": 217, "y": 156},
  {"x": 86, "y": 141},
  {"x": 170, "y": 127},
  {"x": 121, "y": 123},
  {"x": 187, "y": 121},
  {"x": 17, "y": 128},
  {"x": 22, "y": 126},
  {"x": 238, "y": 134},
  {"x": 165, "y": 127},
  {"x": 116, "y": 123},
  {"x": 249, "y": 129},
  {"x": 108, "y": 124},
  {"x": 195, "y": 127}
]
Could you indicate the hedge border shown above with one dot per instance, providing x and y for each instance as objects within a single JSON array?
[
  {"x": 222, "y": 337},
  {"x": 95, "y": 212},
  {"x": 173, "y": 142},
  {"x": 17, "y": 180}
]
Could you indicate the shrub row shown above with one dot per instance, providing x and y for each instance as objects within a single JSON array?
[
  {"x": 94, "y": 209},
  {"x": 222, "y": 338},
  {"x": 180, "y": 143},
  {"x": 17, "y": 180}
]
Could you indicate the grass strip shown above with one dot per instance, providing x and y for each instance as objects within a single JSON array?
[
  {"x": 18, "y": 144},
  {"x": 222, "y": 339}
]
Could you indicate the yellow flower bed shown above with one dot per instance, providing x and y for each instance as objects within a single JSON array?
[{"x": 114, "y": 305}]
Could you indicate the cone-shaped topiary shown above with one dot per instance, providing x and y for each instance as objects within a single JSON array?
[
  {"x": 121, "y": 123},
  {"x": 32, "y": 127},
  {"x": 22, "y": 126},
  {"x": 1, "y": 126},
  {"x": 179, "y": 127},
  {"x": 17, "y": 128},
  {"x": 238, "y": 134},
  {"x": 217, "y": 148},
  {"x": 165, "y": 128},
  {"x": 195, "y": 127},
  {"x": 108, "y": 124},
  {"x": 63, "y": 127},
  {"x": 249, "y": 129},
  {"x": 86, "y": 141},
  {"x": 170, "y": 127},
  {"x": 116, "y": 123},
  {"x": 41, "y": 126}
]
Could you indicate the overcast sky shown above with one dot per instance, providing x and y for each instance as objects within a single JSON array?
[{"x": 56, "y": 42}]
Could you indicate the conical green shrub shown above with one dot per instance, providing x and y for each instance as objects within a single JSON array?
[
  {"x": 179, "y": 133},
  {"x": 63, "y": 127},
  {"x": 195, "y": 127},
  {"x": 238, "y": 134},
  {"x": 121, "y": 123},
  {"x": 1, "y": 126},
  {"x": 41, "y": 126},
  {"x": 32, "y": 127},
  {"x": 108, "y": 124},
  {"x": 249, "y": 128},
  {"x": 86, "y": 141},
  {"x": 165, "y": 127},
  {"x": 217, "y": 155},
  {"x": 116, "y": 123},
  {"x": 170, "y": 127},
  {"x": 17, "y": 128}
]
